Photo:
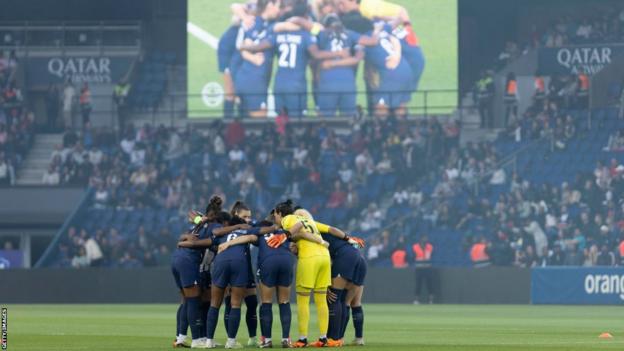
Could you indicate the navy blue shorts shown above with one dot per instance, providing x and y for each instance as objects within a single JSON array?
[
  {"x": 205, "y": 279},
  {"x": 350, "y": 265},
  {"x": 276, "y": 270},
  {"x": 331, "y": 102},
  {"x": 251, "y": 279},
  {"x": 231, "y": 272},
  {"x": 417, "y": 63},
  {"x": 252, "y": 92},
  {"x": 395, "y": 87},
  {"x": 295, "y": 102},
  {"x": 185, "y": 272},
  {"x": 223, "y": 60}
]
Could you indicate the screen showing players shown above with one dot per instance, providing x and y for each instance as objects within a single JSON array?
[{"x": 407, "y": 57}]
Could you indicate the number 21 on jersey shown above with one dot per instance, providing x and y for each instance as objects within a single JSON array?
[{"x": 288, "y": 55}]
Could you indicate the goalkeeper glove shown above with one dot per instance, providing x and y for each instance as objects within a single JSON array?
[
  {"x": 275, "y": 240},
  {"x": 355, "y": 241}
]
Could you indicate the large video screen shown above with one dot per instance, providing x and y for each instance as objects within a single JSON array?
[{"x": 434, "y": 22}]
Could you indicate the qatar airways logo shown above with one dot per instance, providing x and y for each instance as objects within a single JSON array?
[
  {"x": 587, "y": 60},
  {"x": 81, "y": 69},
  {"x": 605, "y": 284}
]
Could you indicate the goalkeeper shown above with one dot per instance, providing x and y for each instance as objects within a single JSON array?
[{"x": 348, "y": 271}]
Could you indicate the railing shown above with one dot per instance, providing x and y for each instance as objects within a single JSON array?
[
  {"x": 423, "y": 102},
  {"x": 173, "y": 107},
  {"x": 70, "y": 34},
  {"x": 511, "y": 161}
]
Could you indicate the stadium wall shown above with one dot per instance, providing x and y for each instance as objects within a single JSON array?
[{"x": 383, "y": 285}]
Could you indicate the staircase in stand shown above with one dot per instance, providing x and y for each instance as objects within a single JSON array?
[{"x": 38, "y": 159}]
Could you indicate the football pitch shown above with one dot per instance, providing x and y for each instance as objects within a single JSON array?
[{"x": 387, "y": 327}]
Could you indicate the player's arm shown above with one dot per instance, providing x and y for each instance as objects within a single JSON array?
[
  {"x": 267, "y": 230},
  {"x": 385, "y": 10},
  {"x": 366, "y": 40},
  {"x": 286, "y": 27},
  {"x": 221, "y": 231},
  {"x": 313, "y": 27},
  {"x": 393, "y": 60},
  {"x": 297, "y": 233},
  {"x": 187, "y": 237},
  {"x": 245, "y": 239},
  {"x": 318, "y": 54},
  {"x": 194, "y": 244},
  {"x": 254, "y": 48},
  {"x": 338, "y": 233},
  {"x": 344, "y": 62}
]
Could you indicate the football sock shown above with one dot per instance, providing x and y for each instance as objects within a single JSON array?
[
  {"x": 211, "y": 322},
  {"x": 234, "y": 322},
  {"x": 251, "y": 316},
  {"x": 358, "y": 321},
  {"x": 205, "y": 306},
  {"x": 266, "y": 319},
  {"x": 335, "y": 316},
  {"x": 192, "y": 309},
  {"x": 303, "y": 311},
  {"x": 322, "y": 312},
  {"x": 226, "y": 313},
  {"x": 178, "y": 319},
  {"x": 285, "y": 318},
  {"x": 346, "y": 313}
]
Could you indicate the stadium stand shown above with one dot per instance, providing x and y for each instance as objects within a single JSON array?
[
  {"x": 533, "y": 197},
  {"x": 151, "y": 172},
  {"x": 462, "y": 197},
  {"x": 150, "y": 84},
  {"x": 16, "y": 121}
]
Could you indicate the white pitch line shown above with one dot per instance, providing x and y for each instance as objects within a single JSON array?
[{"x": 202, "y": 35}]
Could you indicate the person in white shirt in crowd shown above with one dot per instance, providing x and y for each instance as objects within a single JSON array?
[
  {"x": 127, "y": 144},
  {"x": 69, "y": 93},
  {"x": 81, "y": 260},
  {"x": 51, "y": 176}
]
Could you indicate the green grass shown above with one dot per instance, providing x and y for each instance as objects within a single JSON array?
[
  {"x": 435, "y": 22},
  {"x": 387, "y": 327}
]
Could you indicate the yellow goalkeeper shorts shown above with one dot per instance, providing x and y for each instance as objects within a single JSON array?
[{"x": 313, "y": 272}]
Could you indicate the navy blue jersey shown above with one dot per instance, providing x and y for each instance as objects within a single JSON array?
[
  {"x": 196, "y": 255},
  {"x": 291, "y": 50},
  {"x": 412, "y": 53},
  {"x": 235, "y": 252},
  {"x": 377, "y": 55},
  {"x": 336, "y": 244},
  {"x": 265, "y": 251},
  {"x": 261, "y": 31},
  {"x": 226, "y": 50},
  {"x": 331, "y": 41}
]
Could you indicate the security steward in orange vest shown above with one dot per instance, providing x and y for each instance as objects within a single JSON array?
[
  {"x": 540, "y": 90},
  {"x": 582, "y": 93},
  {"x": 511, "y": 98},
  {"x": 424, "y": 272},
  {"x": 478, "y": 253}
]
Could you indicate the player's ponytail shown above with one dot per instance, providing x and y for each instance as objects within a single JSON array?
[
  {"x": 285, "y": 208},
  {"x": 214, "y": 206}
]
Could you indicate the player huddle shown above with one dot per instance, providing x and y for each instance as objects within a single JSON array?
[
  {"x": 213, "y": 265},
  {"x": 331, "y": 37}
]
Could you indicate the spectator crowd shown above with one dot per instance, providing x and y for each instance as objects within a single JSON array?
[
  {"x": 16, "y": 122},
  {"x": 338, "y": 177}
]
